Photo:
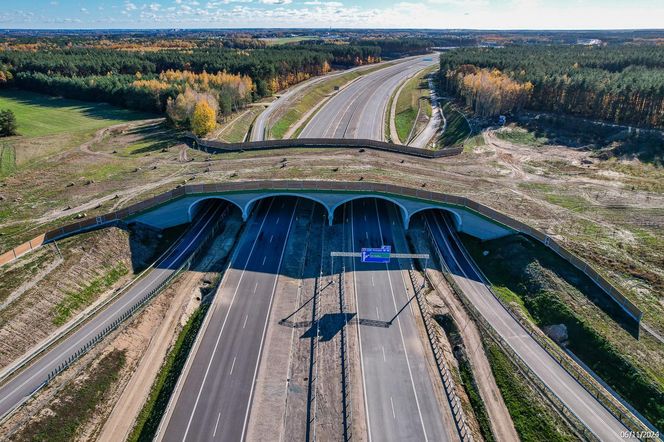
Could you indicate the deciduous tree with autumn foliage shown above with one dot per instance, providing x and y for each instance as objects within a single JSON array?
[{"x": 204, "y": 119}]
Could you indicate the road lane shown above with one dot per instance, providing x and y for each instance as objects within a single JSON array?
[
  {"x": 358, "y": 111},
  {"x": 399, "y": 398},
  {"x": 593, "y": 414},
  {"x": 15, "y": 390},
  {"x": 215, "y": 399}
]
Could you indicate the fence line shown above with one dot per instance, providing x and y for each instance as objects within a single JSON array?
[
  {"x": 583, "y": 378},
  {"x": 128, "y": 313},
  {"x": 211, "y": 146},
  {"x": 350, "y": 186}
]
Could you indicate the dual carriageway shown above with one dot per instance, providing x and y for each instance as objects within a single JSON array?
[{"x": 396, "y": 391}]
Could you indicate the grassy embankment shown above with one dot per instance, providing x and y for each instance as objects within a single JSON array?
[
  {"x": 413, "y": 96},
  {"x": 148, "y": 420},
  {"x": 457, "y": 129},
  {"x": 311, "y": 97},
  {"x": 236, "y": 130},
  {"x": 73, "y": 301},
  {"x": 532, "y": 420},
  {"x": 551, "y": 291},
  {"x": 75, "y": 405}
]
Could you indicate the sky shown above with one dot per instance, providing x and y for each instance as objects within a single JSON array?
[{"x": 431, "y": 14}]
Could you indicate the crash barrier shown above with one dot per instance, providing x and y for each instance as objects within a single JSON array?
[
  {"x": 621, "y": 413},
  {"x": 113, "y": 325},
  {"x": 211, "y": 146},
  {"x": 350, "y": 187},
  {"x": 441, "y": 364}
]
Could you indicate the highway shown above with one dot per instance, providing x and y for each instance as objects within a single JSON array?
[
  {"x": 602, "y": 423},
  {"x": 214, "y": 395},
  {"x": 262, "y": 121},
  {"x": 358, "y": 111},
  {"x": 16, "y": 389},
  {"x": 399, "y": 399}
]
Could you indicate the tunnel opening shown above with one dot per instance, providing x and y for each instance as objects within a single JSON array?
[{"x": 204, "y": 204}]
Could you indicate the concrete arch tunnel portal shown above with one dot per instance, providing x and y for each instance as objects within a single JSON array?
[{"x": 184, "y": 210}]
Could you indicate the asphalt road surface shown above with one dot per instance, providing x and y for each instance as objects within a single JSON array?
[
  {"x": 399, "y": 398},
  {"x": 358, "y": 111},
  {"x": 214, "y": 399},
  {"x": 605, "y": 426},
  {"x": 15, "y": 390}
]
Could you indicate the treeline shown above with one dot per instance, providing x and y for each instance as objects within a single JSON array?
[
  {"x": 262, "y": 65},
  {"x": 618, "y": 84}
]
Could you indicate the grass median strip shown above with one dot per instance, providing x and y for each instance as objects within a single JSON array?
[
  {"x": 312, "y": 96},
  {"x": 413, "y": 96},
  {"x": 148, "y": 420}
]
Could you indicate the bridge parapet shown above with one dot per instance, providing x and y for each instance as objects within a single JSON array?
[{"x": 473, "y": 216}]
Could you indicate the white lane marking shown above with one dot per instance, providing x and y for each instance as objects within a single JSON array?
[
  {"x": 245, "y": 321},
  {"x": 264, "y": 258},
  {"x": 367, "y": 235},
  {"x": 372, "y": 281},
  {"x": 267, "y": 316},
  {"x": 127, "y": 301},
  {"x": 383, "y": 348},
  {"x": 377, "y": 314},
  {"x": 544, "y": 366},
  {"x": 223, "y": 325},
  {"x": 277, "y": 222},
  {"x": 394, "y": 415},
  {"x": 357, "y": 325},
  {"x": 255, "y": 287},
  {"x": 232, "y": 366},
  {"x": 271, "y": 238},
  {"x": 403, "y": 341},
  {"x": 216, "y": 425}
]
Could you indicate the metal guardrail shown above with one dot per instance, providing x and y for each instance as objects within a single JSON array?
[
  {"x": 495, "y": 336},
  {"x": 622, "y": 414},
  {"x": 86, "y": 347},
  {"x": 353, "y": 186},
  {"x": 211, "y": 146},
  {"x": 583, "y": 377},
  {"x": 441, "y": 364}
]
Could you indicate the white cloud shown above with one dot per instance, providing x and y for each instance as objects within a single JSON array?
[
  {"x": 129, "y": 6},
  {"x": 276, "y": 2},
  {"x": 154, "y": 7}
]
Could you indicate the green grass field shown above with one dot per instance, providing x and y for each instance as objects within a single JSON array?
[
  {"x": 413, "y": 95},
  {"x": 39, "y": 115}
]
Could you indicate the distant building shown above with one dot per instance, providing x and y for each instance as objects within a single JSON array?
[{"x": 589, "y": 41}]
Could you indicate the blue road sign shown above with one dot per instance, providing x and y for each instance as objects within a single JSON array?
[{"x": 378, "y": 255}]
